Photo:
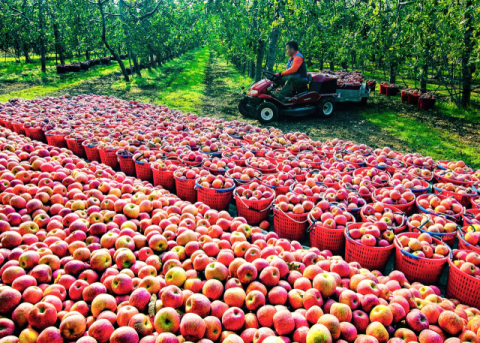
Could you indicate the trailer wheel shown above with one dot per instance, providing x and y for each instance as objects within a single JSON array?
[
  {"x": 267, "y": 112},
  {"x": 326, "y": 108},
  {"x": 243, "y": 108}
]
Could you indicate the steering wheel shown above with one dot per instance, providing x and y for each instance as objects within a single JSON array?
[{"x": 271, "y": 76}]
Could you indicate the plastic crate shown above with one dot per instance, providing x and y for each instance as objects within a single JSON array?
[
  {"x": 109, "y": 158},
  {"x": 127, "y": 165},
  {"x": 371, "y": 258},
  {"x": 18, "y": 128},
  {"x": 462, "y": 286},
  {"x": 186, "y": 189},
  {"x": 217, "y": 199},
  {"x": 324, "y": 238},
  {"x": 75, "y": 147},
  {"x": 92, "y": 153},
  {"x": 56, "y": 140},
  {"x": 423, "y": 270},
  {"x": 290, "y": 226},
  {"x": 254, "y": 211},
  {"x": 36, "y": 134},
  {"x": 143, "y": 171}
]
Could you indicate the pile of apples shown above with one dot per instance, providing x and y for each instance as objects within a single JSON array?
[
  {"x": 293, "y": 203},
  {"x": 467, "y": 262},
  {"x": 331, "y": 216},
  {"x": 450, "y": 187},
  {"x": 279, "y": 155},
  {"x": 336, "y": 166},
  {"x": 190, "y": 173},
  {"x": 301, "y": 147},
  {"x": 407, "y": 180},
  {"x": 417, "y": 160},
  {"x": 260, "y": 163},
  {"x": 449, "y": 206},
  {"x": 244, "y": 174},
  {"x": 354, "y": 158},
  {"x": 311, "y": 159},
  {"x": 371, "y": 235},
  {"x": 458, "y": 167},
  {"x": 472, "y": 235},
  {"x": 431, "y": 223},
  {"x": 455, "y": 177},
  {"x": 219, "y": 164},
  {"x": 165, "y": 165},
  {"x": 193, "y": 156},
  {"x": 89, "y": 255},
  {"x": 238, "y": 156},
  {"x": 379, "y": 178},
  {"x": 423, "y": 246},
  {"x": 254, "y": 191},
  {"x": 381, "y": 215},
  {"x": 399, "y": 195},
  {"x": 420, "y": 172},
  {"x": 360, "y": 149},
  {"x": 384, "y": 161},
  {"x": 282, "y": 179},
  {"x": 215, "y": 181}
]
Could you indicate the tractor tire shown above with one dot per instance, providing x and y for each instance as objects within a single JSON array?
[
  {"x": 326, "y": 108},
  {"x": 364, "y": 101},
  {"x": 267, "y": 112},
  {"x": 242, "y": 107}
]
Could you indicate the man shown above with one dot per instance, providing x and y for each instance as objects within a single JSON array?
[{"x": 296, "y": 74}]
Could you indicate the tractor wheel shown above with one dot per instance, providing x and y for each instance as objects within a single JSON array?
[
  {"x": 364, "y": 101},
  {"x": 267, "y": 112},
  {"x": 326, "y": 107},
  {"x": 242, "y": 107}
]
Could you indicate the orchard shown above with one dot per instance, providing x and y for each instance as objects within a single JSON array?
[{"x": 128, "y": 222}]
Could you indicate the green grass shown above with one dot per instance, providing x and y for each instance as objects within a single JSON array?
[
  {"x": 424, "y": 138},
  {"x": 54, "y": 82},
  {"x": 178, "y": 83}
]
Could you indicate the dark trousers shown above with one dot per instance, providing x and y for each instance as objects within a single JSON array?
[{"x": 290, "y": 82}]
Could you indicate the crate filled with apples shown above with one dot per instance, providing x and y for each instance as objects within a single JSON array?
[
  {"x": 423, "y": 245},
  {"x": 369, "y": 244},
  {"x": 359, "y": 149},
  {"x": 239, "y": 156},
  {"x": 338, "y": 166},
  {"x": 382, "y": 161},
  {"x": 309, "y": 189},
  {"x": 279, "y": 155},
  {"x": 388, "y": 152},
  {"x": 461, "y": 193},
  {"x": 243, "y": 174},
  {"x": 314, "y": 160},
  {"x": 253, "y": 202},
  {"x": 422, "y": 173},
  {"x": 299, "y": 168},
  {"x": 193, "y": 158},
  {"x": 458, "y": 167},
  {"x": 280, "y": 182},
  {"x": 290, "y": 215},
  {"x": 277, "y": 143},
  {"x": 301, "y": 147},
  {"x": 357, "y": 160},
  {"x": 330, "y": 216},
  {"x": 416, "y": 184},
  {"x": 443, "y": 176},
  {"x": 371, "y": 235},
  {"x": 389, "y": 216},
  {"x": 437, "y": 226},
  {"x": 464, "y": 277},
  {"x": 440, "y": 205},
  {"x": 218, "y": 165},
  {"x": 262, "y": 164},
  {"x": 379, "y": 178},
  {"x": 399, "y": 196},
  {"x": 419, "y": 161},
  {"x": 345, "y": 198}
]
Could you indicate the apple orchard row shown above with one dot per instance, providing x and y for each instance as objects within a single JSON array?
[{"x": 89, "y": 254}]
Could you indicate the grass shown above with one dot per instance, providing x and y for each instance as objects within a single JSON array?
[
  {"x": 424, "y": 138},
  {"x": 55, "y": 82}
]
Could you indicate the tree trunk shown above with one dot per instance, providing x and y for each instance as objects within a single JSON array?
[
  {"x": 259, "y": 63},
  {"x": 252, "y": 69},
  {"x": 42, "y": 36},
  {"x": 58, "y": 44},
  {"x": 467, "y": 67},
  {"x": 393, "y": 72},
  {"x": 332, "y": 65},
  {"x": 152, "y": 60},
  {"x": 423, "y": 80},
  {"x": 104, "y": 40},
  {"x": 136, "y": 65},
  {"x": 272, "y": 47},
  {"x": 87, "y": 54}
]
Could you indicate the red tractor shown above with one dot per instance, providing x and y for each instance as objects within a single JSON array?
[{"x": 317, "y": 97}]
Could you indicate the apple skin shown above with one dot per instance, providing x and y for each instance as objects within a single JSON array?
[{"x": 101, "y": 330}]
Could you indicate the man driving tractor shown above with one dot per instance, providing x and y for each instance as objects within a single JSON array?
[{"x": 296, "y": 74}]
